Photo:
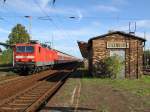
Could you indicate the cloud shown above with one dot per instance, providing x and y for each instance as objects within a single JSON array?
[
  {"x": 68, "y": 34},
  {"x": 106, "y": 8},
  {"x": 44, "y": 3},
  {"x": 96, "y": 23},
  {"x": 76, "y": 34},
  {"x": 119, "y": 2},
  {"x": 147, "y": 35},
  {"x": 143, "y": 23},
  {"x": 33, "y": 7},
  {"x": 79, "y": 14},
  {"x": 4, "y": 31},
  {"x": 121, "y": 28},
  {"x": 65, "y": 34},
  {"x": 111, "y": 6}
]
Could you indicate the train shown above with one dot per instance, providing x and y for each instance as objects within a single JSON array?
[{"x": 33, "y": 57}]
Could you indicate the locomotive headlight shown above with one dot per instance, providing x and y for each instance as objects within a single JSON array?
[
  {"x": 19, "y": 57},
  {"x": 30, "y": 57}
]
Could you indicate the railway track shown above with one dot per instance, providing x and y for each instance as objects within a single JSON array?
[
  {"x": 12, "y": 87},
  {"x": 30, "y": 99},
  {"x": 147, "y": 71},
  {"x": 18, "y": 79},
  {"x": 10, "y": 80}
]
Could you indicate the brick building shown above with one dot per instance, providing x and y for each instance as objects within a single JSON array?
[{"x": 128, "y": 46}]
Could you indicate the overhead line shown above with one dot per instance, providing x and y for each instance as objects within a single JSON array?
[
  {"x": 88, "y": 17},
  {"x": 51, "y": 20},
  {"x": 45, "y": 14}
]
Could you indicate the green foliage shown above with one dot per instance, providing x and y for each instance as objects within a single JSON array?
[
  {"x": 139, "y": 87},
  {"x": 6, "y": 57},
  {"x": 113, "y": 65},
  {"x": 18, "y": 35},
  {"x": 147, "y": 58},
  {"x": 109, "y": 67},
  {"x": 147, "y": 52}
]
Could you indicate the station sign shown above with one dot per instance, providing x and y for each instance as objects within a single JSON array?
[{"x": 117, "y": 45}]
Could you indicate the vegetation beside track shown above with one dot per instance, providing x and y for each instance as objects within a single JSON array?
[
  {"x": 139, "y": 87},
  {"x": 103, "y": 95},
  {"x": 6, "y": 73},
  {"x": 6, "y": 58}
]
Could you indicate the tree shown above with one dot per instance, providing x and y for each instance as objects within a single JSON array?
[{"x": 18, "y": 35}]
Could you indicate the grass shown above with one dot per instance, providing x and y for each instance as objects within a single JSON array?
[
  {"x": 139, "y": 87},
  {"x": 104, "y": 95},
  {"x": 135, "y": 90}
]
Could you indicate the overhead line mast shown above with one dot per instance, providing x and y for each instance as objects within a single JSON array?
[{"x": 30, "y": 25}]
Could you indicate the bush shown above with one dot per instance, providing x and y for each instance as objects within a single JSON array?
[
  {"x": 109, "y": 67},
  {"x": 6, "y": 57}
]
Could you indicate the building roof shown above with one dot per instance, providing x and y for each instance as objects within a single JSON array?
[
  {"x": 83, "y": 48},
  {"x": 118, "y": 32}
]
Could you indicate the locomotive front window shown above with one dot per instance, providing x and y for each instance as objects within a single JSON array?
[
  {"x": 28, "y": 49},
  {"x": 20, "y": 49}
]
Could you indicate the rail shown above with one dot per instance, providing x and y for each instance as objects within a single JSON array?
[{"x": 32, "y": 98}]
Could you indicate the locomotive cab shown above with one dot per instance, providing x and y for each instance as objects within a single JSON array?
[{"x": 24, "y": 56}]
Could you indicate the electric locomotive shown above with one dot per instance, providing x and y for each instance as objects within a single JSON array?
[{"x": 33, "y": 57}]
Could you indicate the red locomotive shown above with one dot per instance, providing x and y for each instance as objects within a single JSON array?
[{"x": 32, "y": 57}]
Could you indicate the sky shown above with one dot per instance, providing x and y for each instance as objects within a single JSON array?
[{"x": 53, "y": 23}]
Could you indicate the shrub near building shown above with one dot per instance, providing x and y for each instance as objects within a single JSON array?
[{"x": 109, "y": 67}]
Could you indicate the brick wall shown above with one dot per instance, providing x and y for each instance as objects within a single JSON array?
[{"x": 133, "y": 57}]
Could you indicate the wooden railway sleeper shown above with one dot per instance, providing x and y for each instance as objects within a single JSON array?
[
  {"x": 7, "y": 108},
  {"x": 17, "y": 95},
  {"x": 18, "y": 103}
]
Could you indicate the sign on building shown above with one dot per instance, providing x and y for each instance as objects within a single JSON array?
[{"x": 117, "y": 45}]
